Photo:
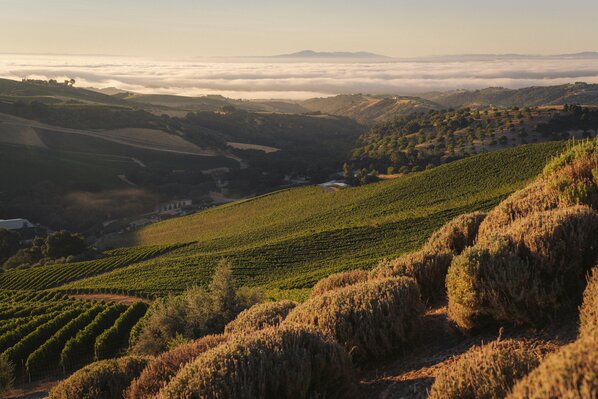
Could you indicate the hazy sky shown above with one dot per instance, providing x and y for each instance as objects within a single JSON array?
[{"x": 400, "y": 28}]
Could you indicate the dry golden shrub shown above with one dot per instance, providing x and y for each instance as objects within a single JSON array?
[
  {"x": 570, "y": 373},
  {"x": 429, "y": 265},
  {"x": 536, "y": 197},
  {"x": 163, "y": 368},
  {"x": 456, "y": 235},
  {"x": 487, "y": 371},
  {"x": 106, "y": 379},
  {"x": 428, "y": 268},
  {"x": 577, "y": 182},
  {"x": 278, "y": 362},
  {"x": 529, "y": 274},
  {"x": 371, "y": 320},
  {"x": 571, "y": 178},
  {"x": 259, "y": 316},
  {"x": 339, "y": 280},
  {"x": 588, "y": 317}
]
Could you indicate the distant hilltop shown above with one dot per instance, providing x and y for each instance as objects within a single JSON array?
[{"x": 335, "y": 54}]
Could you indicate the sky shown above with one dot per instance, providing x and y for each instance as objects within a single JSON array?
[{"x": 179, "y": 29}]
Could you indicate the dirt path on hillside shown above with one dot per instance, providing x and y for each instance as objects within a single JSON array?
[
  {"x": 21, "y": 122},
  {"x": 124, "y": 299},
  {"x": 411, "y": 374},
  {"x": 34, "y": 390}
]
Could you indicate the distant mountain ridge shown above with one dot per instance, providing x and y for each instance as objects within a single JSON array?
[{"x": 331, "y": 54}]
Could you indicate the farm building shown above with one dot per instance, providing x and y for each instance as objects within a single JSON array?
[
  {"x": 15, "y": 224},
  {"x": 174, "y": 205}
]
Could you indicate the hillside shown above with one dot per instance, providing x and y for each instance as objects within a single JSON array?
[
  {"x": 95, "y": 150},
  {"x": 176, "y": 105},
  {"x": 288, "y": 240},
  {"x": 54, "y": 93},
  {"x": 418, "y": 141},
  {"x": 436, "y": 347},
  {"x": 577, "y": 93},
  {"x": 369, "y": 109}
]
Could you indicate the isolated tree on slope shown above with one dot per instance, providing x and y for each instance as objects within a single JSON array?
[{"x": 195, "y": 313}]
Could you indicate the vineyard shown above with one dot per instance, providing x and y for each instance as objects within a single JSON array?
[
  {"x": 48, "y": 334},
  {"x": 44, "y": 277},
  {"x": 287, "y": 240},
  {"x": 283, "y": 242}
]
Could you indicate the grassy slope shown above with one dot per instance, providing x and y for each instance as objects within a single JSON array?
[
  {"x": 15, "y": 90},
  {"x": 290, "y": 239},
  {"x": 369, "y": 109},
  {"x": 22, "y": 166}
]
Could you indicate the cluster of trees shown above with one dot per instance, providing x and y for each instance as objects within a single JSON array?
[
  {"x": 197, "y": 312},
  {"x": 58, "y": 245},
  {"x": 359, "y": 177},
  {"x": 423, "y": 140},
  {"x": 574, "y": 117},
  {"x": 51, "y": 82}
]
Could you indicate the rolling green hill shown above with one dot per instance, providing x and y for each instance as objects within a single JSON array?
[
  {"x": 55, "y": 94},
  {"x": 215, "y": 103},
  {"x": 287, "y": 240},
  {"x": 422, "y": 140},
  {"x": 577, "y": 93},
  {"x": 368, "y": 109}
]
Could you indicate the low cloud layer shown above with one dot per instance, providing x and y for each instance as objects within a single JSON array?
[{"x": 265, "y": 79}]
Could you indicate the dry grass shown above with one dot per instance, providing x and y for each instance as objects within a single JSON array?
[
  {"x": 163, "y": 368},
  {"x": 106, "y": 379},
  {"x": 339, "y": 280},
  {"x": 570, "y": 373},
  {"x": 277, "y": 362},
  {"x": 487, "y": 371},
  {"x": 529, "y": 274},
  {"x": 588, "y": 315},
  {"x": 427, "y": 267},
  {"x": 259, "y": 316},
  {"x": 372, "y": 319}
]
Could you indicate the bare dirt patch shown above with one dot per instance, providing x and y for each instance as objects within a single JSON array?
[{"x": 34, "y": 390}]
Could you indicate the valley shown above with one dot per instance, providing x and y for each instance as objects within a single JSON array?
[
  {"x": 118, "y": 170},
  {"x": 298, "y": 200}
]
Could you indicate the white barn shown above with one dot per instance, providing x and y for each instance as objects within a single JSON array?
[{"x": 15, "y": 224}]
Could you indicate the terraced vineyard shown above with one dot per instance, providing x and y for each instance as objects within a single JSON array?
[
  {"x": 42, "y": 332},
  {"x": 44, "y": 277},
  {"x": 286, "y": 241}
]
